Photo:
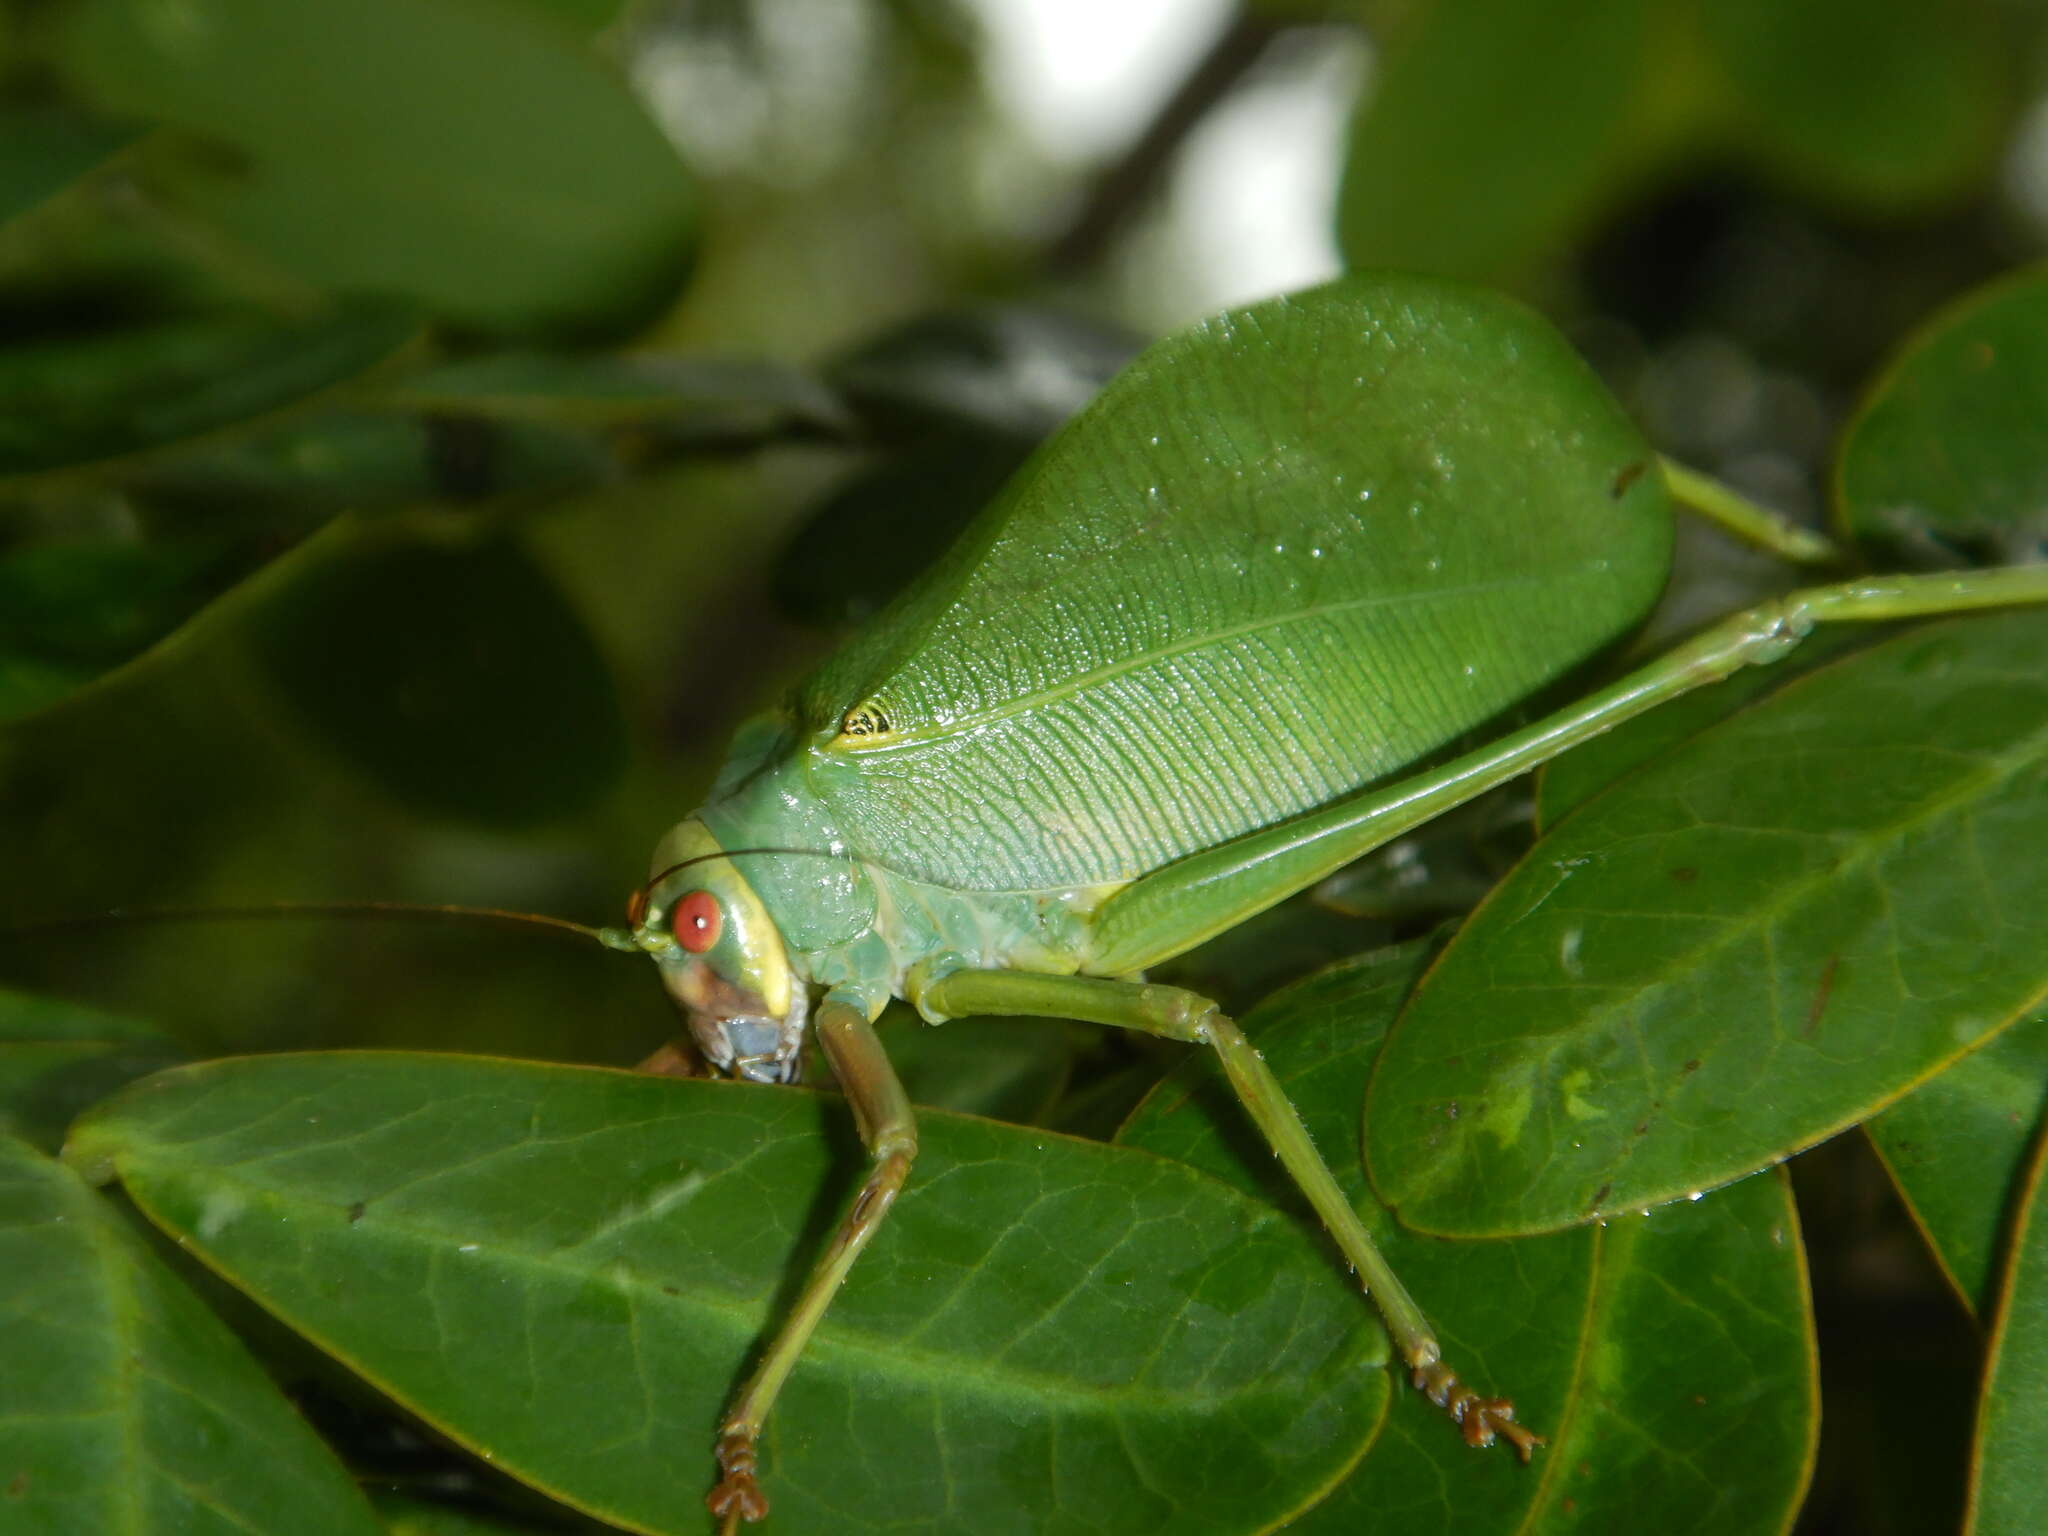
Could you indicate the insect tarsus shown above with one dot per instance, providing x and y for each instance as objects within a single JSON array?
[
  {"x": 738, "y": 1495},
  {"x": 1481, "y": 1418}
]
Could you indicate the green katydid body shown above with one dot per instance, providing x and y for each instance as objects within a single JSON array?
[{"x": 1127, "y": 660}]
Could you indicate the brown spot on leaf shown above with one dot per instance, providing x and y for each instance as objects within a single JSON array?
[
  {"x": 1642, "y": 1127},
  {"x": 355, "y": 1212},
  {"x": 1599, "y": 1195},
  {"x": 1451, "y": 1110},
  {"x": 1691, "y": 1067},
  {"x": 1685, "y": 874},
  {"x": 1821, "y": 995},
  {"x": 1627, "y": 476},
  {"x": 17, "y": 1485}
]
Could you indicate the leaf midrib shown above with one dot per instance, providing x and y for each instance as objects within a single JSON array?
[{"x": 864, "y": 1352}]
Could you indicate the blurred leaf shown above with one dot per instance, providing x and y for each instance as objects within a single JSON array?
[
  {"x": 46, "y": 145},
  {"x": 71, "y": 611},
  {"x": 1669, "y": 1358},
  {"x": 584, "y": 15},
  {"x": 1957, "y": 1147},
  {"x": 1090, "y": 1338},
  {"x": 1880, "y": 104},
  {"x": 126, "y": 1405},
  {"x": 685, "y": 398},
  {"x": 2008, "y": 1495},
  {"x": 1494, "y": 132},
  {"x": 1743, "y": 948},
  {"x": 77, "y": 398},
  {"x": 959, "y": 399},
  {"x": 1946, "y": 462},
  {"x": 57, "y": 1058},
  {"x": 1498, "y": 130},
  {"x": 471, "y": 155},
  {"x": 885, "y": 524},
  {"x": 360, "y": 460},
  {"x": 445, "y": 666}
]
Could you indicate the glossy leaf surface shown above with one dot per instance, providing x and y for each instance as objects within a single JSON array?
[
  {"x": 1080, "y": 1338},
  {"x": 126, "y": 1405},
  {"x": 1957, "y": 1147},
  {"x": 1739, "y": 950},
  {"x": 1946, "y": 462},
  {"x": 1668, "y": 1358},
  {"x": 1569, "y": 781},
  {"x": 325, "y": 134},
  {"x": 2007, "y": 1494},
  {"x": 57, "y": 1058}
]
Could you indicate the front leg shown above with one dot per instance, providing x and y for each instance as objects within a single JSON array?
[
  {"x": 1177, "y": 1014},
  {"x": 889, "y": 1130}
]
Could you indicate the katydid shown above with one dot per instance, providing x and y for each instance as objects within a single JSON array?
[{"x": 1124, "y": 714}]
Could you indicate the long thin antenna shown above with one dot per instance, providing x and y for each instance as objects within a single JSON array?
[{"x": 610, "y": 938}]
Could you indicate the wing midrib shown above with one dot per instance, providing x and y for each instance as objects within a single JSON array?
[{"x": 1086, "y": 680}]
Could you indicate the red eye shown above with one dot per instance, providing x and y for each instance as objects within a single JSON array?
[
  {"x": 636, "y": 907},
  {"x": 696, "y": 921}
]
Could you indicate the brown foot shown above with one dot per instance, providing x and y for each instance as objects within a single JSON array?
[
  {"x": 1481, "y": 1418},
  {"x": 737, "y": 1495}
]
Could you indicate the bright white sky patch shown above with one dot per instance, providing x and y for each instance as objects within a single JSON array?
[
  {"x": 1083, "y": 77},
  {"x": 1254, "y": 197}
]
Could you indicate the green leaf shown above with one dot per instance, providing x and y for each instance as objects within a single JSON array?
[
  {"x": 1569, "y": 781},
  {"x": 416, "y": 655},
  {"x": 1743, "y": 948},
  {"x": 57, "y": 1058},
  {"x": 126, "y": 1405},
  {"x": 1957, "y": 1147},
  {"x": 1946, "y": 461},
  {"x": 77, "y": 398},
  {"x": 310, "y": 468},
  {"x": 1668, "y": 1358},
  {"x": 1494, "y": 132},
  {"x": 1090, "y": 1338},
  {"x": 473, "y": 156},
  {"x": 681, "y": 398},
  {"x": 1885, "y": 105},
  {"x": 45, "y": 145},
  {"x": 2008, "y": 1496},
  {"x": 71, "y": 610}
]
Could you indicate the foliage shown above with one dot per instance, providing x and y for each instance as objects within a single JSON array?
[{"x": 405, "y": 487}]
